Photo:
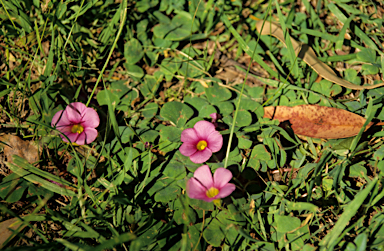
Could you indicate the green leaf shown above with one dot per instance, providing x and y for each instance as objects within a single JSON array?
[
  {"x": 176, "y": 112},
  {"x": 361, "y": 242},
  {"x": 358, "y": 170},
  {"x": 150, "y": 110},
  {"x": 103, "y": 99},
  {"x": 127, "y": 99},
  {"x": 150, "y": 85},
  {"x": 169, "y": 193},
  {"x": 12, "y": 188},
  {"x": 179, "y": 29},
  {"x": 125, "y": 133},
  {"x": 201, "y": 205},
  {"x": 149, "y": 135},
  {"x": 298, "y": 238},
  {"x": 256, "y": 92},
  {"x": 146, "y": 238},
  {"x": 213, "y": 233},
  {"x": 171, "y": 134},
  {"x": 286, "y": 224},
  {"x": 369, "y": 69},
  {"x": 183, "y": 213},
  {"x": 351, "y": 76},
  {"x": 225, "y": 108},
  {"x": 217, "y": 94},
  {"x": 144, "y": 5},
  {"x": 366, "y": 55},
  {"x": 193, "y": 236},
  {"x": 133, "y": 51},
  {"x": 244, "y": 118},
  {"x": 301, "y": 206},
  {"x": 244, "y": 141},
  {"x": 119, "y": 88},
  {"x": 259, "y": 153},
  {"x": 326, "y": 88},
  {"x": 134, "y": 71},
  {"x": 201, "y": 105},
  {"x": 175, "y": 170}
]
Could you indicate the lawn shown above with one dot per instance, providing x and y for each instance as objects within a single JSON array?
[{"x": 191, "y": 125}]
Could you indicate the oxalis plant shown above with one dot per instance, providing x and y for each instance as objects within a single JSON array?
[{"x": 191, "y": 125}]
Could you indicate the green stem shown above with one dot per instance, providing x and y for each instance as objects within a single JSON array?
[{"x": 124, "y": 15}]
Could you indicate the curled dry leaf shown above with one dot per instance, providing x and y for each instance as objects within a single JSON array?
[
  {"x": 318, "y": 121},
  {"x": 306, "y": 53},
  {"x": 16, "y": 146}
]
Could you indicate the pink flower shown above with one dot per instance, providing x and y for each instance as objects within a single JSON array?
[
  {"x": 200, "y": 141},
  {"x": 203, "y": 187},
  {"x": 215, "y": 117},
  {"x": 77, "y": 122}
]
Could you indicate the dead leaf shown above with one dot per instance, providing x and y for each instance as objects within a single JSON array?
[
  {"x": 16, "y": 146},
  {"x": 5, "y": 231},
  {"x": 318, "y": 121},
  {"x": 306, "y": 53}
]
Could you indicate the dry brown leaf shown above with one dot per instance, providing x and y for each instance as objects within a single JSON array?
[
  {"x": 318, "y": 121},
  {"x": 5, "y": 231},
  {"x": 16, "y": 146},
  {"x": 306, "y": 53}
]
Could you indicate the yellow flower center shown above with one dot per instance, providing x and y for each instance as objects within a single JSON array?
[
  {"x": 77, "y": 129},
  {"x": 201, "y": 145},
  {"x": 212, "y": 192}
]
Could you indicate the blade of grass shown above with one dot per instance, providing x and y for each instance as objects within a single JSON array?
[
  {"x": 70, "y": 245},
  {"x": 37, "y": 180},
  {"x": 246, "y": 48},
  {"x": 339, "y": 43},
  {"x": 228, "y": 24},
  {"x": 288, "y": 42},
  {"x": 111, "y": 243},
  {"x": 338, "y": 58},
  {"x": 122, "y": 22},
  {"x": 326, "y": 36},
  {"x": 324, "y": 159},
  {"x": 278, "y": 84},
  {"x": 17, "y": 160},
  {"x": 370, "y": 113},
  {"x": 315, "y": 18},
  {"x": 347, "y": 215},
  {"x": 340, "y": 15},
  {"x": 9, "y": 17}
]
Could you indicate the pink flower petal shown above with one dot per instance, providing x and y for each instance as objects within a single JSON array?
[
  {"x": 189, "y": 136},
  {"x": 203, "y": 129},
  {"x": 90, "y": 118},
  {"x": 65, "y": 129},
  {"x": 213, "y": 116},
  {"x": 90, "y": 135},
  {"x": 221, "y": 177},
  {"x": 81, "y": 139},
  {"x": 225, "y": 191},
  {"x": 201, "y": 156},
  {"x": 75, "y": 111},
  {"x": 72, "y": 137},
  {"x": 187, "y": 149},
  {"x": 204, "y": 175},
  {"x": 60, "y": 120},
  {"x": 215, "y": 141},
  {"x": 195, "y": 190}
]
